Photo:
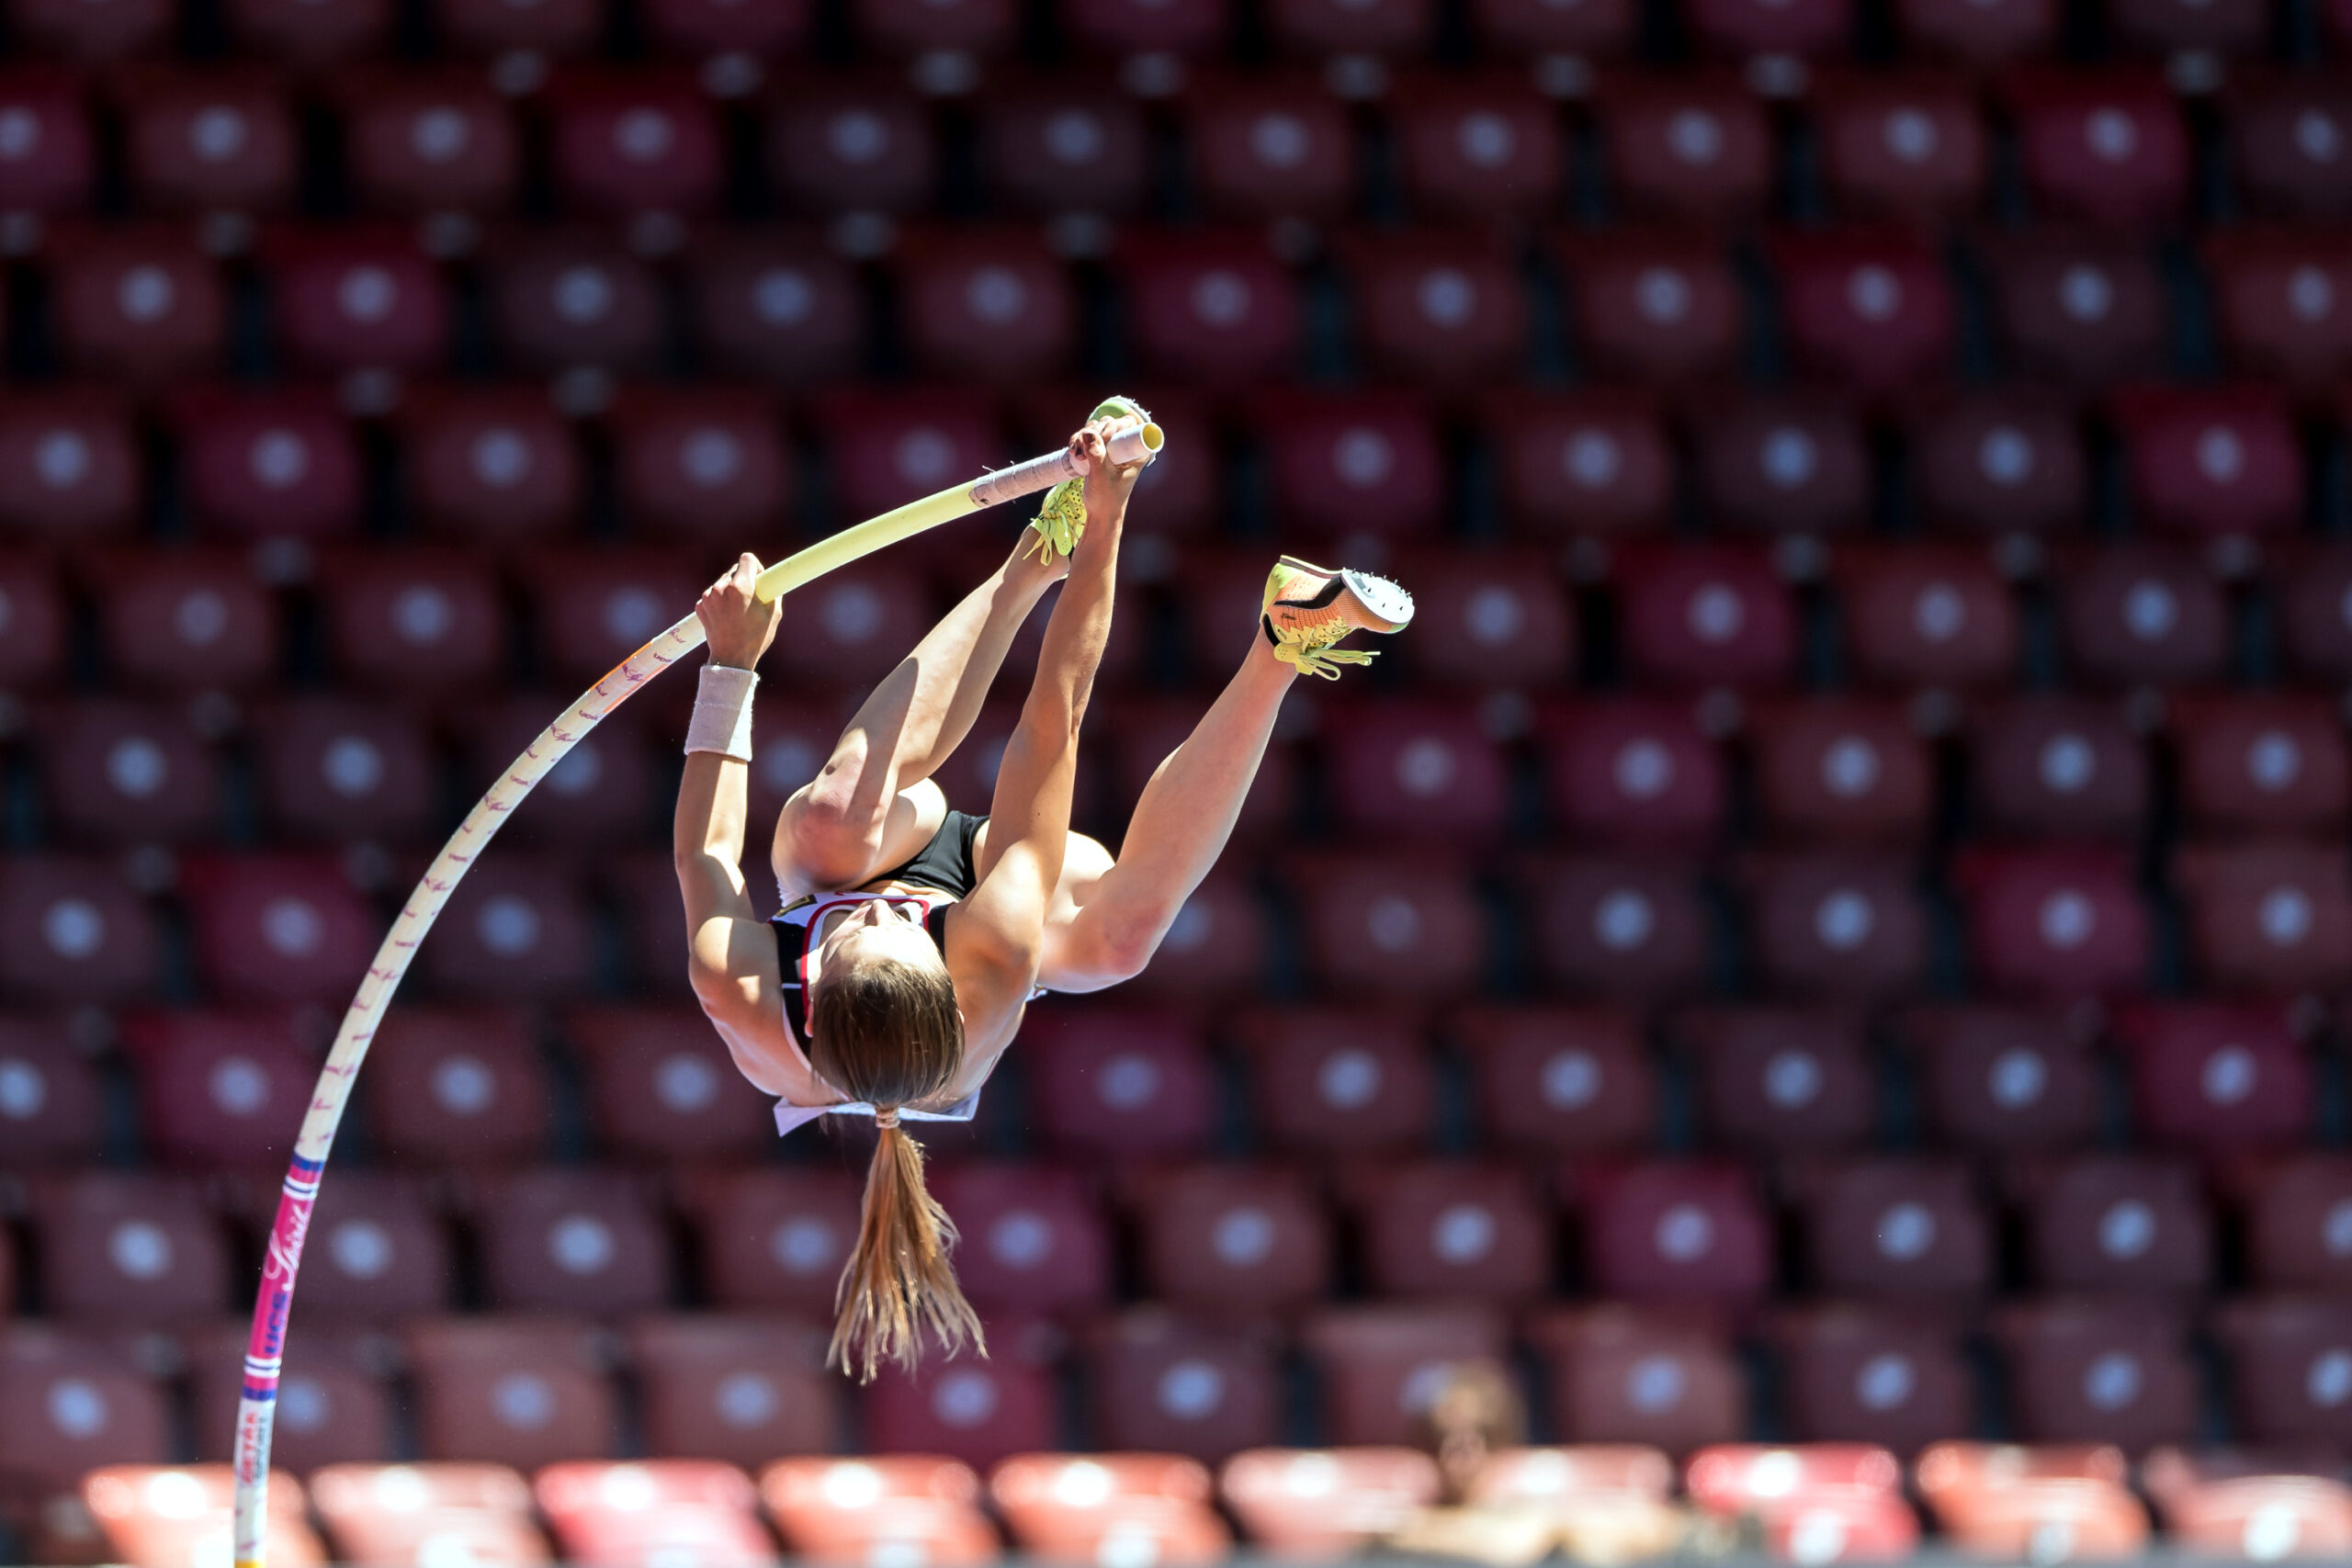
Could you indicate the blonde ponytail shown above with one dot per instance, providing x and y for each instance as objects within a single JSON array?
[{"x": 898, "y": 1288}]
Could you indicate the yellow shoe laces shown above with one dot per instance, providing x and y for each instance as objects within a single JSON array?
[{"x": 1309, "y": 648}]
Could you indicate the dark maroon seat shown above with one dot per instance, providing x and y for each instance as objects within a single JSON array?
[
  {"x": 1659, "y": 306},
  {"x": 110, "y": 30},
  {"x": 2105, "y": 148},
  {"x": 2297, "y": 1219},
  {"x": 278, "y": 928},
  {"x": 1401, "y": 924},
  {"x": 661, "y": 1086},
  {"x": 1908, "y": 146},
  {"x": 51, "y": 156},
  {"x": 2274, "y": 764},
  {"x": 2289, "y": 1360},
  {"x": 1478, "y": 148},
  {"x": 74, "y": 931},
  {"x": 1833, "y": 768},
  {"x": 2084, "y": 309},
  {"x": 1559, "y": 1080},
  {"x": 1595, "y": 464},
  {"x": 358, "y": 300},
  {"x": 1866, "y": 309},
  {"x": 69, "y": 465},
  {"x": 1782, "y": 463},
  {"x": 2001, "y": 1078},
  {"x": 703, "y": 463},
  {"x": 1704, "y": 615},
  {"x": 1056, "y": 145},
  {"x": 140, "y": 303},
  {"x": 182, "y": 623},
  {"x": 642, "y": 142},
  {"x": 990, "y": 305},
  {"x": 1623, "y": 1375},
  {"x": 916, "y": 26},
  {"x": 260, "y": 465},
  {"x": 600, "y": 794},
  {"x": 522, "y": 1391},
  {"x": 1616, "y": 925},
  {"x": 221, "y": 139},
  {"x": 1898, "y": 1228},
  {"x": 887, "y": 451},
  {"x": 1376, "y": 1360},
  {"x": 846, "y": 144},
  {"x": 332, "y": 769},
  {"x": 1164, "y": 1383},
  {"x": 1333, "y": 1081},
  {"x": 1232, "y": 1240},
  {"x": 1350, "y": 464},
  {"x": 596, "y": 608},
  {"x": 412, "y": 621},
  {"x": 1917, "y": 616},
  {"x": 1035, "y": 1239},
  {"x": 1442, "y": 307},
  {"x": 561, "y": 1240},
  {"x": 51, "y": 1099},
  {"x": 737, "y": 1389},
  {"x": 2061, "y": 920},
  {"x": 775, "y": 306},
  {"x": 517, "y": 928},
  {"x": 1741, "y": 29},
  {"x": 2098, "y": 1372},
  {"x": 2266, "y": 918},
  {"x": 2133, "y": 615},
  {"x": 2283, "y": 302},
  {"x": 2004, "y": 463},
  {"x": 2163, "y": 28},
  {"x": 1506, "y": 619},
  {"x": 1271, "y": 146},
  {"x": 973, "y": 1411},
  {"x": 1876, "y": 1374},
  {"x": 1842, "y": 922},
  {"x": 2118, "y": 1224},
  {"x": 2214, "y": 1077},
  {"x": 1969, "y": 32},
  {"x": 1667, "y": 1233},
  {"x": 429, "y": 142},
  {"x": 490, "y": 464},
  {"x": 2285, "y": 138},
  {"x": 563, "y": 300},
  {"x": 1452, "y": 1232},
  {"x": 1632, "y": 771},
  {"x": 1312, "y": 30},
  {"x": 1121, "y": 1083},
  {"x": 2207, "y": 463},
  {"x": 114, "y": 772},
  {"x": 120, "y": 1248},
  {"x": 376, "y": 1251},
  {"x": 1688, "y": 147},
  {"x": 2063, "y": 766},
  {"x": 1777, "y": 1079}
]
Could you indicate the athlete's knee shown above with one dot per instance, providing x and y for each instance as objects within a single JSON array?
[
  {"x": 1122, "y": 948},
  {"x": 827, "y": 836}
]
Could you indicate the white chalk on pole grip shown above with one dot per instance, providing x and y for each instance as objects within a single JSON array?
[{"x": 722, "y": 716}]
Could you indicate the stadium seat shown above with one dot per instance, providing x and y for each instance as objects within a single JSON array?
[
  {"x": 1122, "y": 28},
  {"x": 647, "y": 1509},
  {"x": 845, "y": 144},
  {"x": 1704, "y": 615},
  {"x": 493, "y": 464},
  {"x": 1779, "y": 1079},
  {"x": 1382, "y": 1365},
  {"x": 2079, "y": 310},
  {"x": 1326, "y": 1502},
  {"x": 50, "y": 1096},
  {"x": 2290, "y": 1369},
  {"x": 505, "y": 30},
  {"x": 1997, "y": 1500},
  {"x": 568, "y": 300},
  {"x": 1477, "y": 147},
  {"x": 53, "y": 159},
  {"x": 1112, "y": 1083},
  {"x": 1632, "y": 772},
  {"x": 1661, "y": 1232},
  {"x": 1907, "y": 147},
  {"x": 220, "y": 1088},
  {"x": 2214, "y": 463},
  {"x": 1435, "y": 308},
  {"x": 741, "y": 1390},
  {"x": 1454, "y": 1231},
  {"x": 1164, "y": 1383},
  {"x": 1232, "y": 1241},
  {"x": 2311, "y": 589},
  {"x": 393, "y": 1513},
  {"x": 1660, "y": 306},
  {"x": 1558, "y": 1080},
  {"x": 456, "y": 1086},
  {"x": 642, "y": 141},
  {"x": 2104, "y": 148},
  {"x": 1052, "y": 145},
  {"x": 2261, "y": 764},
  {"x": 2284, "y": 304},
  {"x": 2216, "y": 1079},
  {"x": 278, "y": 927},
  {"x": 2166, "y": 29},
  {"x": 565, "y": 1240},
  {"x": 2001, "y": 464},
  {"x": 1517, "y": 29},
  {"x": 222, "y": 139},
  {"x": 2000, "y": 1079},
  {"x": 2285, "y": 137},
  {"x": 73, "y": 930},
  {"x": 660, "y": 1085},
  {"x": 978, "y": 1412},
  {"x": 1968, "y": 33},
  {"x": 1619, "y": 1375},
  {"x": 1337, "y": 1081},
  {"x": 971, "y": 27},
  {"x": 2058, "y": 765},
  {"x": 774, "y": 306},
  {"x": 1874, "y": 312},
  {"x": 73, "y": 1405},
  {"x": 1685, "y": 148},
  {"x": 2096, "y": 1372},
  {"x": 640, "y": 889},
  {"x": 115, "y": 772},
  {"x": 1782, "y": 464},
  {"x": 413, "y": 621},
  {"x": 601, "y": 794},
  {"x": 1595, "y": 464},
  {"x": 2297, "y": 1224},
  {"x": 331, "y": 1409},
  {"x": 354, "y": 300},
  {"x": 1842, "y": 770},
  {"x": 596, "y": 608},
  {"x": 157, "y": 1516},
  {"x": 2227, "y": 1505},
  {"x": 1406, "y": 924},
  {"x": 259, "y": 466},
  {"x": 376, "y": 1253},
  {"x": 1841, "y": 922},
  {"x": 1919, "y": 615},
  {"x": 517, "y": 928},
  {"x": 1268, "y": 147},
  {"x": 1076, "y": 1506},
  {"x": 1908, "y": 1229},
  {"x": 139, "y": 303},
  {"x": 1814, "y": 1499},
  {"x": 1743, "y": 29},
  {"x": 986, "y": 305},
  {"x": 1037, "y": 1240},
  {"x": 186, "y": 622},
  {"x": 1630, "y": 927},
  {"x": 844, "y": 1510},
  {"x": 2135, "y": 613},
  {"x": 421, "y": 142},
  {"x": 1313, "y": 30},
  {"x": 123, "y": 1249},
  {"x": 69, "y": 465},
  {"x": 2119, "y": 1224},
  {"x": 334, "y": 770},
  {"x": 887, "y": 451},
  {"x": 1874, "y": 1374},
  {"x": 1354, "y": 464},
  {"x": 1425, "y": 770},
  {"x": 520, "y": 1392},
  {"x": 773, "y": 1241}
]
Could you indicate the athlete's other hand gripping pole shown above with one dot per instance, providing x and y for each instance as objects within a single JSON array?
[{"x": 257, "y": 1401}]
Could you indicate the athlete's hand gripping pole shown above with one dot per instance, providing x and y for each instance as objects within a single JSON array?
[{"x": 1135, "y": 442}]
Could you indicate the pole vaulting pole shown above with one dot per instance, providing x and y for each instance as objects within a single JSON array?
[{"x": 264, "y": 1353}]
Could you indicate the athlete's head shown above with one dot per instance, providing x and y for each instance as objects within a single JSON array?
[{"x": 884, "y": 1028}]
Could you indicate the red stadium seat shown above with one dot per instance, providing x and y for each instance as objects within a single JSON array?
[
  {"x": 2285, "y": 305},
  {"x": 857, "y": 624},
  {"x": 1265, "y": 147},
  {"x": 2117, "y": 1222},
  {"x": 491, "y": 465},
  {"x": 986, "y": 305},
  {"x": 1401, "y": 925},
  {"x": 1421, "y": 771},
  {"x": 151, "y": 1514},
  {"x": 1163, "y": 1384},
  {"x": 1735, "y": 1478},
  {"x": 2096, "y": 1372},
  {"x": 517, "y": 928},
  {"x": 1998, "y": 1500},
  {"x": 71, "y": 1405},
  {"x": 122, "y": 1248},
  {"x": 887, "y": 451},
  {"x": 223, "y": 139},
  {"x": 522, "y": 1391},
  {"x": 1077, "y": 1506},
  {"x": 1657, "y": 1231},
  {"x": 741, "y": 1390},
  {"x": 2310, "y": 593},
  {"x": 602, "y": 791},
  {"x": 1919, "y": 615},
  {"x": 1454, "y": 1231},
  {"x": 1705, "y": 616},
  {"x": 900, "y": 28},
  {"x": 1635, "y": 928},
  {"x": 1909, "y": 147},
  {"x": 143, "y": 305},
  {"x": 2212, "y": 463},
  {"x": 331, "y": 1409},
  {"x": 777, "y": 307},
  {"x": 1513, "y": 30},
  {"x": 1818, "y": 1512},
  {"x": 2133, "y": 614},
  {"x": 1999, "y": 1078},
  {"x": 565, "y": 300},
  {"x": 1783, "y": 465},
  {"x": 1477, "y": 147},
  {"x": 641, "y": 142},
  {"x": 1436, "y": 306},
  {"x": 2262, "y": 764},
  {"x": 1868, "y": 310},
  {"x": 375, "y": 1252},
  {"x": 2273, "y": 918},
  {"x": 1842, "y": 922},
  {"x": 567, "y": 27},
  {"x": 1319, "y": 1503},
  {"x": 1232, "y": 1241},
  {"x": 51, "y": 156},
  {"x": 456, "y": 1086},
  {"x": 586, "y": 1241},
  {"x": 1782, "y": 1079},
  {"x": 302, "y": 32},
  {"x": 50, "y": 1096},
  {"x": 2216, "y": 1079},
  {"x": 2246, "y": 1505},
  {"x": 1896, "y": 1229},
  {"x": 125, "y": 772},
  {"x": 1740, "y": 29},
  {"x": 417, "y": 622},
  {"x": 1595, "y": 464},
  {"x": 1874, "y": 1374},
  {"x": 1313, "y": 30},
  {"x": 1330, "y": 1082},
  {"x": 1213, "y": 308},
  {"x": 1686, "y": 148},
  {"x": 2081, "y": 310},
  {"x": 2297, "y": 1224},
  {"x": 1842, "y": 770},
  {"x": 775, "y": 1240},
  {"x": 278, "y": 928},
  {"x": 71, "y": 930},
  {"x": 1354, "y": 464},
  {"x": 220, "y": 1088},
  {"x": 660, "y": 1085},
  {"x": 1622, "y": 1376},
  {"x": 1559, "y": 1080},
  {"x": 2064, "y": 920},
  {"x": 1035, "y": 1240},
  {"x": 646, "y": 1509},
  {"x": 1382, "y": 1365},
  {"x": 1658, "y": 306},
  {"x": 2285, "y": 137},
  {"x": 1632, "y": 772},
  {"x": 1110, "y": 1083},
  {"x": 104, "y": 32},
  {"x": 354, "y": 299},
  {"x": 844, "y": 1510},
  {"x": 1123, "y": 28},
  {"x": 1054, "y": 145},
  {"x": 596, "y": 608},
  {"x": 69, "y": 465},
  {"x": 2167, "y": 28},
  {"x": 423, "y": 142},
  {"x": 263, "y": 466},
  {"x": 2059, "y": 765},
  {"x": 843, "y": 144},
  {"x": 2104, "y": 148},
  {"x": 2002, "y": 465},
  {"x": 391, "y": 1513},
  {"x": 978, "y": 1412}
]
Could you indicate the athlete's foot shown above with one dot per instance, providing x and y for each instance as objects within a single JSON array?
[{"x": 1308, "y": 609}]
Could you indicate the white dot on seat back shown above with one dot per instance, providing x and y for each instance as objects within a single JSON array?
[
  {"x": 361, "y": 1249},
  {"x": 710, "y": 458},
  {"x": 1191, "y": 1390},
  {"x": 1021, "y": 1239},
  {"x": 1074, "y": 136},
  {"x": 1426, "y": 767},
  {"x": 1850, "y": 767},
  {"x": 2066, "y": 919},
  {"x": 508, "y": 926},
  {"x": 77, "y": 1408},
  {"x": 439, "y": 135},
  {"x": 579, "y": 772},
  {"x": 1221, "y": 298},
  {"x": 423, "y": 615},
  {"x": 303, "y": 1405},
  {"x": 2066, "y": 763},
  {"x": 996, "y": 296},
  {"x": 1654, "y": 1384},
  {"x": 1939, "y": 613},
  {"x": 1885, "y": 1381},
  {"x": 1874, "y": 293},
  {"x": 1695, "y": 136},
  {"x": 964, "y": 1398},
  {"x": 523, "y": 1401},
  {"x": 2274, "y": 762},
  {"x": 804, "y": 1245},
  {"x": 857, "y": 136},
  {"x": 1623, "y": 919},
  {"x": 2127, "y": 1230},
  {"x": 2329, "y": 1381},
  {"x": 1662, "y": 295},
  {"x": 745, "y": 1400},
  {"x": 2017, "y": 1078},
  {"x": 1642, "y": 769},
  {"x": 1464, "y": 1233},
  {"x": 2310, "y": 294},
  {"x": 1363, "y": 457},
  {"x": 685, "y": 1083},
  {"x": 1486, "y": 140},
  {"x": 24, "y": 1089},
  {"x": 352, "y": 766},
  {"x": 1279, "y": 141},
  {"x": 1393, "y": 923},
  {"x": 2112, "y": 1380},
  {"x": 2151, "y": 610},
  {"x": 644, "y": 135},
  {"x": 585, "y": 294},
  {"x": 581, "y": 1243},
  {"x": 924, "y": 456},
  {"x": 20, "y": 133},
  {"x": 200, "y": 617},
  {"x": 632, "y": 615},
  {"x": 850, "y": 614},
  {"x": 783, "y": 297},
  {"x": 1495, "y": 615},
  {"x": 2228, "y": 1077},
  {"x": 74, "y": 928},
  {"x": 2111, "y": 134},
  {"x": 1905, "y": 1232},
  {"x": 140, "y": 1249},
  {"x": 1684, "y": 1234},
  {"x": 2086, "y": 293},
  {"x": 1349, "y": 1079},
  {"x": 1844, "y": 919},
  {"x": 61, "y": 459},
  {"x": 136, "y": 767},
  {"x": 367, "y": 294},
  {"x": 1128, "y": 1081},
  {"x": 1789, "y": 458},
  {"x": 1715, "y": 614},
  {"x": 2317, "y": 136},
  {"x": 1792, "y": 1079},
  {"x": 1243, "y": 1237},
  {"x": 238, "y": 1086},
  {"x": 463, "y": 1084},
  {"x": 2284, "y": 917},
  {"x": 1572, "y": 1080},
  {"x": 145, "y": 294},
  {"x": 2221, "y": 455},
  {"x": 217, "y": 133},
  {"x": 2006, "y": 456},
  {"x": 1446, "y": 296},
  {"x": 293, "y": 928},
  {"x": 1592, "y": 459},
  {"x": 1910, "y": 135}
]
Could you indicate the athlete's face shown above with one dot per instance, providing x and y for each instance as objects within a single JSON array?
[{"x": 878, "y": 930}]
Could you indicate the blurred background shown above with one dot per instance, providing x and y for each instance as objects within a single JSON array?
[{"x": 1829, "y": 931}]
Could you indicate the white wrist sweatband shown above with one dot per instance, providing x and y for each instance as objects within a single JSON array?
[{"x": 722, "y": 720}]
